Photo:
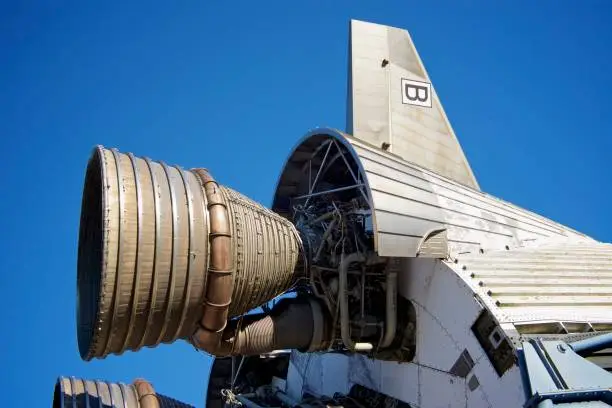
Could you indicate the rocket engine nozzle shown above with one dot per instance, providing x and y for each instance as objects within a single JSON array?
[
  {"x": 166, "y": 253},
  {"x": 76, "y": 392}
]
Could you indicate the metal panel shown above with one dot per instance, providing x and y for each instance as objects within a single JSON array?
[
  {"x": 446, "y": 309},
  {"x": 434, "y": 245},
  {"x": 560, "y": 282},
  {"x": 384, "y": 165},
  {"x": 430, "y": 394},
  {"x": 381, "y": 60},
  {"x": 555, "y": 375},
  {"x": 408, "y": 201}
]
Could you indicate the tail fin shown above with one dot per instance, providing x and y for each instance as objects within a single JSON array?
[{"x": 393, "y": 105}]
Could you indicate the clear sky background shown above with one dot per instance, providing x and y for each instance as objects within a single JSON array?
[{"x": 232, "y": 86}]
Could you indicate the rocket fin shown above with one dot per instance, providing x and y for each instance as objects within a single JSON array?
[{"x": 393, "y": 105}]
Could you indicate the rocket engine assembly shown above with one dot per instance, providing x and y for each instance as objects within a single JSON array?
[
  {"x": 384, "y": 248},
  {"x": 167, "y": 254}
]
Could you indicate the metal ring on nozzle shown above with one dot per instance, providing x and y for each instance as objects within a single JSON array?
[{"x": 219, "y": 279}]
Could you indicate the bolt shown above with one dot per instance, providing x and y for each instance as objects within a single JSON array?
[{"x": 561, "y": 348}]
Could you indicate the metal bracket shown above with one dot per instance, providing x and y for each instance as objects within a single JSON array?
[{"x": 555, "y": 375}]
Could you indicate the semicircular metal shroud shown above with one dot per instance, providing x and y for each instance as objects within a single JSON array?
[{"x": 409, "y": 204}]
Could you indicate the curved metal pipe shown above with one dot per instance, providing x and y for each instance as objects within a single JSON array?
[
  {"x": 326, "y": 234},
  {"x": 593, "y": 344},
  {"x": 390, "y": 309},
  {"x": 220, "y": 281},
  {"x": 292, "y": 324},
  {"x": 345, "y": 328}
]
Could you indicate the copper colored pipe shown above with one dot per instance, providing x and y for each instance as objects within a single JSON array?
[
  {"x": 291, "y": 324},
  {"x": 146, "y": 394},
  {"x": 220, "y": 282}
]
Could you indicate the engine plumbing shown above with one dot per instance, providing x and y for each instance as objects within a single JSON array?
[
  {"x": 345, "y": 273},
  {"x": 167, "y": 254}
]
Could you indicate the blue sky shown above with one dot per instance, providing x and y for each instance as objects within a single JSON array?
[{"x": 232, "y": 88}]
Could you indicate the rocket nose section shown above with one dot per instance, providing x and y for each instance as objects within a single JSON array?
[{"x": 393, "y": 105}]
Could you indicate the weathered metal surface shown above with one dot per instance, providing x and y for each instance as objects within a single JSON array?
[
  {"x": 220, "y": 280},
  {"x": 408, "y": 202},
  {"x": 144, "y": 253},
  {"x": 71, "y": 392},
  {"x": 562, "y": 287},
  {"x": 296, "y": 323},
  {"x": 434, "y": 244},
  {"x": 555, "y": 376},
  {"x": 382, "y": 62},
  {"x": 263, "y": 242}
]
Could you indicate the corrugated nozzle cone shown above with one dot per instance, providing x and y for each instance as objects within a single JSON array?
[
  {"x": 71, "y": 392},
  {"x": 144, "y": 260}
]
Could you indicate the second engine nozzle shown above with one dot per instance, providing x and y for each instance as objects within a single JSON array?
[
  {"x": 71, "y": 392},
  {"x": 165, "y": 251}
]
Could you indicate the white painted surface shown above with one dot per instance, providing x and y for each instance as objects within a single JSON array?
[{"x": 431, "y": 382}]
